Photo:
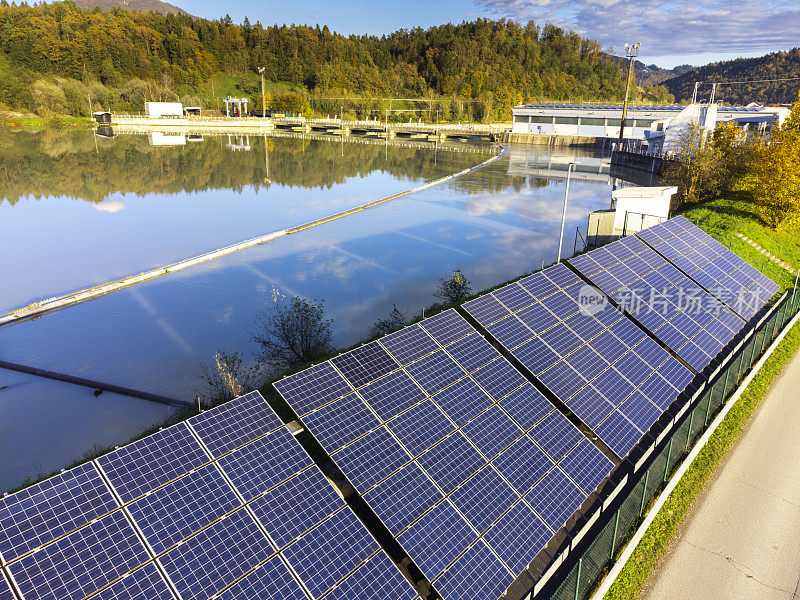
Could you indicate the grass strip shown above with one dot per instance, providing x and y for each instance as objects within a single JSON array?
[{"x": 651, "y": 549}]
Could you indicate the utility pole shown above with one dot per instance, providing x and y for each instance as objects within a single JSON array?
[
  {"x": 263, "y": 96},
  {"x": 632, "y": 51},
  {"x": 564, "y": 210}
]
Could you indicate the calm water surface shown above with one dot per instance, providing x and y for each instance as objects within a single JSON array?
[{"x": 73, "y": 214}]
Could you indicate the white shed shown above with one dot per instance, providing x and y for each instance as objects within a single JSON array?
[{"x": 155, "y": 110}]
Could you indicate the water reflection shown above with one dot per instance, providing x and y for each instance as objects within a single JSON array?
[{"x": 494, "y": 224}]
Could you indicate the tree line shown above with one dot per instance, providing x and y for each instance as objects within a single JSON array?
[{"x": 56, "y": 57}]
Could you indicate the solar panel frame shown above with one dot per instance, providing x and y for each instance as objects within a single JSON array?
[
  {"x": 270, "y": 580},
  {"x": 364, "y": 364},
  {"x": 370, "y": 580},
  {"x": 146, "y": 583},
  {"x": 312, "y": 388},
  {"x": 478, "y": 574}
]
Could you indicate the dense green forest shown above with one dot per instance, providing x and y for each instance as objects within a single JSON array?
[
  {"x": 778, "y": 65},
  {"x": 55, "y": 57}
]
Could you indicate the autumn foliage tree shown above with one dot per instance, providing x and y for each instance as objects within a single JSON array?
[{"x": 777, "y": 174}]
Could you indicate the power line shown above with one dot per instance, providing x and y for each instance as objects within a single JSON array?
[{"x": 749, "y": 81}]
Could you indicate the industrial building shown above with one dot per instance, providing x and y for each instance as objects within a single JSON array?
[{"x": 642, "y": 121}]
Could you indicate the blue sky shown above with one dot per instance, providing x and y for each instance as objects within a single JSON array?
[{"x": 672, "y": 32}]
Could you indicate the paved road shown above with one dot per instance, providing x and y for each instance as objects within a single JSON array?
[{"x": 743, "y": 540}]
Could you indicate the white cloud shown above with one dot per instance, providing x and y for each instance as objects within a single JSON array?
[
  {"x": 667, "y": 27},
  {"x": 110, "y": 206}
]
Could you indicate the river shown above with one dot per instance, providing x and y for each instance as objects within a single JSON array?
[{"x": 78, "y": 209}]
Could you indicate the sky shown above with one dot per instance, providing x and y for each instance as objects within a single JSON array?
[{"x": 671, "y": 32}]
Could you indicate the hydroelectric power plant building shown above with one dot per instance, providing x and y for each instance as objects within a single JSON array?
[{"x": 643, "y": 122}]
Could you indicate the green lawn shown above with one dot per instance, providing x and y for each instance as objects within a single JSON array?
[{"x": 38, "y": 123}]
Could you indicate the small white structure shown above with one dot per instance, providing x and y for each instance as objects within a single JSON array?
[
  {"x": 158, "y": 110},
  {"x": 235, "y": 107},
  {"x": 162, "y": 138},
  {"x": 632, "y": 209}
]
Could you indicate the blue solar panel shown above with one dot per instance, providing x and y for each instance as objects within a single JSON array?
[
  {"x": 446, "y": 327},
  {"x": 640, "y": 411},
  {"x": 392, "y": 394},
  {"x": 563, "y": 380},
  {"x": 518, "y": 536},
  {"x": 586, "y": 466},
  {"x": 341, "y": 422},
  {"x": 326, "y": 554},
  {"x": 556, "y": 435},
  {"x": 235, "y": 423},
  {"x": 527, "y": 406},
  {"x": 437, "y": 539},
  {"x": 403, "y": 497},
  {"x": 312, "y": 388},
  {"x": 216, "y": 557},
  {"x": 514, "y": 297},
  {"x": 483, "y": 498},
  {"x": 451, "y": 461},
  {"x": 143, "y": 584},
  {"x": 171, "y": 514},
  {"x": 435, "y": 372},
  {"x": 364, "y": 364},
  {"x": 555, "y": 498},
  {"x": 84, "y": 561},
  {"x": 271, "y": 580},
  {"x": 463, "y": 401},
  {"x": 372, "y": 458},
  {"x": 148, "y": 463},
  {"x": 485, "y": 309},
  {"x": 492, "y": 431},
  {"x": 510, "y": 332},
  {"x": 408, "y": 344},
  {"x": 538, "y": 285},
  {"x": 592, "y": 406},
  {"x": 498, "y": 378},
  {"x": 472, "y": 351},
  {"x": 257, "y": 467},
  {"x": 50, "y": 509},
  {"x": 421, "y": 427},
  {"x": 619, "y": 433},
  {"x": 523, "y": 464},
  {"x": 295, "y": 506},
  {"x": 477, "y": 575},
  {"x": 535, "y": 355},
  {"x": 378, "y": 578},
  {"x": 537, "y": 318},
  {"x": 5, "y": 589}
]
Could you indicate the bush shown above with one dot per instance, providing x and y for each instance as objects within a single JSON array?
[
  {"x": 396, "y": 320},
  {"x": 455, "y": 288},
  {"x": 55, "y": 122},
  {"x": 227, "y": 377}
]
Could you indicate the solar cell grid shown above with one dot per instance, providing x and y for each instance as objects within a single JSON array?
[
  {"x": 510, "y": 332},
  {"x": 527, "y": 406},
  {"x": 446, "y": 327},
  {"x": 143, "y": 584},
  {"x": 421, "y": 427},
  {"x": 514, "y": 297},
  {"x": 5, "y": 589},
  {"x": 538, "y": 286},
  {"x": 472, "y": 351},
  {"x": 451, "y": 461},
  {"x": 586, "y": 466},
  {"x": 372, "y": 458},
  {"x": 271, "y": 580},
  {"x": 435, "y": 372},
  {"x": 216, "y": 557},
  {"x": 478, "y": 575},
  {"x": 378, "y": 578},
  {"x": 172, "y": 513},
  {"x": 592, "y": 406},
  {"x": 85, "y": 561},
  {"x": 235, "y": 423},
  {"x": 556, "y": 435},
  {"x": 396, "y": 392},
  {"x": 150, "y": 462},
  {"x": 437, "y": 539},
  {"x": 403, "y": 497},
  {"x": 462, "y": 401},
  {"x": 555, "y": 498},
  {"x": 39, "y": 514},
  {"x": 312, "y": 388},
  {"x": 498, "y": 378},
  {"x": 295, "y": 506},
  {"x": 364, "y": 364},
  {"x": 563, "y": 380},
  {"x": 484, "y": 498},
  {"x": 341, "y": 422},
  {"x": 408, "y": 344},
  {"x": 618, "y": 433},
  {"x": 518, "y": 536},
  {"x": 257, "y": 467},
  {"x": 328, "y": 553},
  {"x": 486, "y": 309}
]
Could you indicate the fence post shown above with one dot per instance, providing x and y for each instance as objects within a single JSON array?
[
  {"x": 614, "y": 539},
  {"x": 578, "y": 578},
  {"x": 689, "y": 430},
  {"x": 669, "y": 455},
  {"x": 644, "y": 491},
  {"x": 708, "y": 410}
]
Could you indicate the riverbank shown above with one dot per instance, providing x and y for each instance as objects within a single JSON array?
[{"x": 31, "y": 123}]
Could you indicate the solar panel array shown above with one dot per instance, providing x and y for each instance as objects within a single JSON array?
[
  {"x": 464, "y": 461},
  {"x": 682, "y": 315},
  {"x": 720, "y": 271},
  {"x": 606, "y": 370},
  {"x": 226, "y": 504}
]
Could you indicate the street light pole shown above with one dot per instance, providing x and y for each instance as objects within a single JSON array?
[
  {"x": 632, "y": 51},
  {"x": 564, "y": 210},
  {"x": 263, "y": 96}
]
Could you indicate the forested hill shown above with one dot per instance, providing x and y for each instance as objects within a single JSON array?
[
  {"x": 778, "y": 65},
  {"x": 496, "y": 63},
  {"x": 140, "y": 5}
]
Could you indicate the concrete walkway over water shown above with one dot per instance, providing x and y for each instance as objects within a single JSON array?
[{"x": 742, "y": 541}]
